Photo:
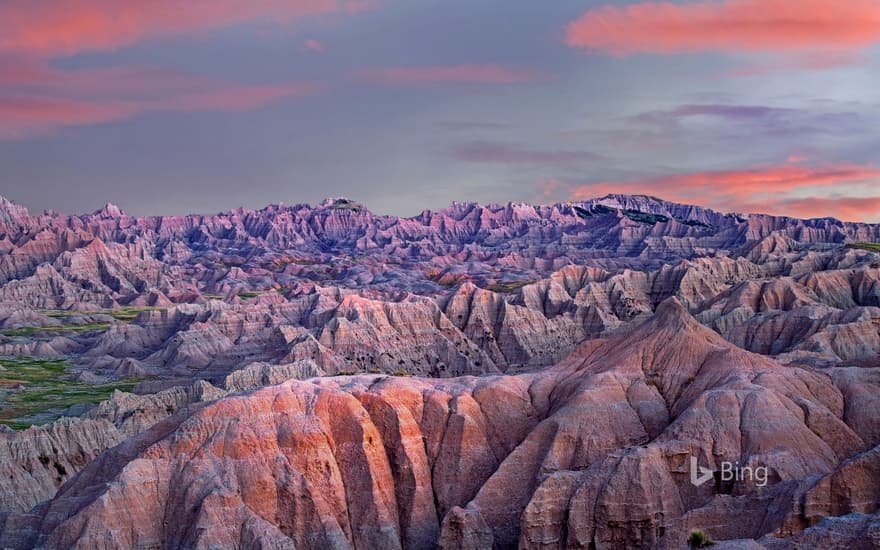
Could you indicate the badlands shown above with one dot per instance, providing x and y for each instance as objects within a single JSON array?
[{"x": 483, "y": 376}]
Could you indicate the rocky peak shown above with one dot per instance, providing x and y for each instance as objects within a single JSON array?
[
  {"x": 673, "y": 324},
  {"x": 671, "y": 312},
  {"x": 109, "y": 211},
  {"x": 11, "y": 212}
]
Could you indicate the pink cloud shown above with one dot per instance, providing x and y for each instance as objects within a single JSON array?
[
  {"x": 37, "y": 75},
  {"x": 313, "y": 45},
  {"x": 414, "y": 76},
  {"x": 769, "y": 189},
  {"x": 67, "y": 27},
  {"x": 36, "y": 97},
  {"x": 815, "y": 61},
  {"x": 42, "y": 100},
  {"x": 844, "y": 208},
  {"x": 235, "y": 97},
  {"x": 728, "y": 26},
  {"x": 767, "y": 180},
  {"x": 26, "y": 116}
]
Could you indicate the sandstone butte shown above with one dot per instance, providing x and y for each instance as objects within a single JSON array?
[{"x": 493, "y": 376}]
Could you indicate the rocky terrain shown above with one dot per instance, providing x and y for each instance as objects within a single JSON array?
[{"x": 482, "y": 376}]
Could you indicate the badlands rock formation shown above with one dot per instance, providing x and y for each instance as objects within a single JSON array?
[
  {"x": 467, "y": 290},
  {"x": 593, "y": 452},
  {"x": 482, "y": 376}
]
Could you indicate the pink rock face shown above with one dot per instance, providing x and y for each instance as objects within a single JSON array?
[
  {"x": 480, "y": 376},
  {"x": 591, "y": 453},
  {"x": 469, "y": 289}
]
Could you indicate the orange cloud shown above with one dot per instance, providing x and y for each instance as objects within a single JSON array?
[
  {"x": 732, "y": 182},
  {"x": 762, "y": 190},
  {"x": 845, "y": 208},
  {"x": 728, "y": 26},
  {"x": 67, "y": 27},
  {"x": 489, "y": 74}
]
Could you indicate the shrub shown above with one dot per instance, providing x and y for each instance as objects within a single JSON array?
[{"x": 698, "y": 539}]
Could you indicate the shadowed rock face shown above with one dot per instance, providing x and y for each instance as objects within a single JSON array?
[
  {"x": 556, "y": 367},
  {"x": 593, "y": 452},
  {"x": 35, "y": 463}
]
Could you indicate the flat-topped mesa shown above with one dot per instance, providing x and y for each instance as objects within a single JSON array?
[
  {"x": 654, "y": 205},
  {"x": 341, "y": 203}
]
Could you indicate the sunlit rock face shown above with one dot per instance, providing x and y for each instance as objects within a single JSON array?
[
  {"x": 591, "y": 452},
  {"x": 482, "y": 376}
]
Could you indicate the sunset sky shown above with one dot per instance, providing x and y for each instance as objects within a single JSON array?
[{"x": 173, "y": 106}]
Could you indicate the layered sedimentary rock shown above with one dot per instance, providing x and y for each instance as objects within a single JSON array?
[
  {"x": 34, "y": 463},
  {"x": 593, "y": 452},
  {"x": 531, "y": 376},
  {"x": 466, "y": 290}
]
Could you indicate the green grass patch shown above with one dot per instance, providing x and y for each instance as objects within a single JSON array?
[
  {"x": 871, "y": 247},
  {"x": 127, "y": 314},
  {"x": 509, "y": 286},
  {"x": 602, "y": 209},
  {"x": 59, "y": 313},
  {"x": 345, "y": 204},
  {"x": 76, "y": 329},
  {"x": 645, "y": 217},
  {"x": 279, "y": 264},
  {"x": 243, "y": 295},
  {"x": 36, "y": 391},
  {"x": 693, "y": 223},
  {"x": 698, "y": 539},
  {"x": 124, "y": 314},
  {"x": 581, "y": 213}
]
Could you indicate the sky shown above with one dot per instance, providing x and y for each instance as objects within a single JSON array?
[{"x": 170, "y": 107}]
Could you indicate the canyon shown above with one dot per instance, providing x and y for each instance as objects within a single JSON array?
[{"x": 532, "y": 376}]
